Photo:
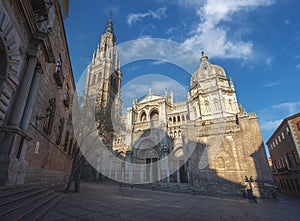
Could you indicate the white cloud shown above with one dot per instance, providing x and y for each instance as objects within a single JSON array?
[
  {"x": 298, "y": 66},
  {"x": 291, "y": 108},
  {"x": 286, "y": 21},
  {"x": 270, "y": 125},
  {"x": 139, "y": 87},
  {"x": 272, "y": 84},
  {"x": 211, "y": 33},
  {"x": 269, "y": 62},
  {"x": 158, "y": 14},
  {"x": 159, "y": 50},
  {"x": 154, "y": 63}
]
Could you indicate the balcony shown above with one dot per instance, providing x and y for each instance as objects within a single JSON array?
[
  {"x": 59, "y": 78},
  {"x": 67, "y": 101},
  {"x": 40, "y": 8}
]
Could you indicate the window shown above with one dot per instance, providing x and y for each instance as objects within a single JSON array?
[
  {"x": 216, "y": 103},
  {"x": 60, "y": 130},
  {"x": 296, "y": 156},
  {"x": 67, "y": 140},
  {"x": 58, "y": 74},
  {"x": 279, "y": 139},
  {"x": 178, "y": 118},
  {"x": 36, "y": 148},
  {"x": 274, "y": 165},
  {"x": 287, "y": 130},
  {"x": 298, "y": 125},
  {"x": 94, "y": 79},
  {"x": 276, "y": 142},
  {"x": 67, "y": 97},
  {"x": 282, "y": 134},
  {"x": 207, "y": 107},
  {"x": 59, "y": 64},
  {"x": 143, "y": 117},
  {"x": 48, "y": 122},
  {"x": 289, "y": 159}
]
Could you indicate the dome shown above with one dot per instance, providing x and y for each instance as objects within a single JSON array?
[{"x": 205, "y": 70}]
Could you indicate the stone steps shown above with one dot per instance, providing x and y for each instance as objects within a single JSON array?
[{"x": 26, "y": 202}]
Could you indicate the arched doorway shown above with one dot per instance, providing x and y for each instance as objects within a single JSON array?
[
  {"x": 147, "y": 153},
  {"x": 3, "y": 62}
]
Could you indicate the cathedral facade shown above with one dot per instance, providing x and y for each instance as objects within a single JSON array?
[{"x": 207, "y": 143}]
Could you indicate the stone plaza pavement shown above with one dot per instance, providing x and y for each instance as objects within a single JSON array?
[{"x": 112, "y": 202}]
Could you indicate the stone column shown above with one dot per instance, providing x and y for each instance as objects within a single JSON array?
[
  {"x": 19, "y": 106},
  {"x": 31, "y": 98}
]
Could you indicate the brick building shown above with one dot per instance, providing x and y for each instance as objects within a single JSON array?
[
  {"x": 284, "y": 147},
  {"x": 36, "y": 85}
]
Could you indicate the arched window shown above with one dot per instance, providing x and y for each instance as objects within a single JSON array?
[
  {"x": 216, "y": 103},
  {"x": 3, "y": 63},
  {"x": 94, "y": 79},
  {"x": 178, "y": 118},
  {"x": 170, "y": 119},
  {"x": 174, "y": 119},
  {"x": 143, "y": 117},
  {"x": 182, "y": 117},
  {"x": 207, "y": 107},
  {"x": 154, "y": 115},
  {"x": 220, "y": 163}
]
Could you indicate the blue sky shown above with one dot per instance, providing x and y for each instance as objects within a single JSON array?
[{"x": 256, "y": 42}]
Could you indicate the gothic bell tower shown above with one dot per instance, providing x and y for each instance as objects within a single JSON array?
[{"x": 103, "y": 83}]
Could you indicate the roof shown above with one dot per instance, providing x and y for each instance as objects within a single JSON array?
[{"x": 281, "y": 125}]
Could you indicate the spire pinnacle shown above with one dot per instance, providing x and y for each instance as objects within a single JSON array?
[{"x": 109, "y": 27}]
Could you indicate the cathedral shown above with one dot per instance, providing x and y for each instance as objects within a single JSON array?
[{"x": 207, "y": 143}]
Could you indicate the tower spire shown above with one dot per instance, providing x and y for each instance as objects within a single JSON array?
[{"x": 109, "y": 27}]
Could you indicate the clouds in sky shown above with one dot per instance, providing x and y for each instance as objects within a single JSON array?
[
  {"x": 135, "y": 17},
  {"x": 272, "y": 84},
  {"x": 139, "y": 87},
  {"x": 212, "y": 35},
  {"x": 270, "y": 118}
]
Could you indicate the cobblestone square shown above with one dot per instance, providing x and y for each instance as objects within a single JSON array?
[{"x": 112, "y": 202}]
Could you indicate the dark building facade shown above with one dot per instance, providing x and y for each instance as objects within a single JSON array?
[
  {"x": 284, "y": 147},
  {"x": 36, "y": 85}
]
